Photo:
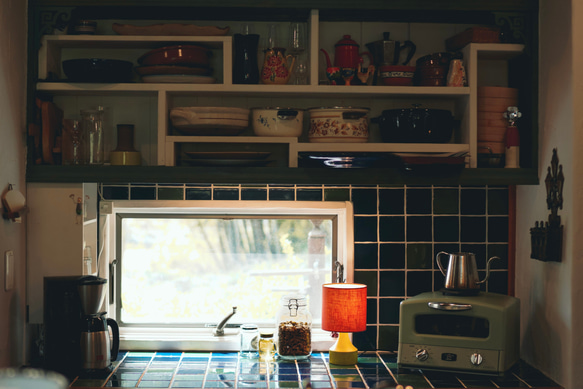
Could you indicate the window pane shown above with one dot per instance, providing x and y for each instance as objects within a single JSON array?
[{"x": 180, "y": 270}]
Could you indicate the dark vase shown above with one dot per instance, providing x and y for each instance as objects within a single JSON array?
[{"x": 245, "y": 67}]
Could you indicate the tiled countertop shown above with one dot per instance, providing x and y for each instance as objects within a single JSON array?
[{"x": 230, "y": 370}]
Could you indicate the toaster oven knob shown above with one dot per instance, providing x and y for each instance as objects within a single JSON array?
[
  {"x": 422, "y": 354},
  {"x": 476, "y": 359}
]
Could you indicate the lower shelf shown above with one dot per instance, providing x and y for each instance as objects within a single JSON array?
[{"x": 276, "y": 175}]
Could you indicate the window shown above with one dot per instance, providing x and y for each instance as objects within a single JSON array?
[{"x": 181, "y": 266}]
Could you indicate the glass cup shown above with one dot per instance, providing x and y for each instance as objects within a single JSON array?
[{"x": 249, "y": 338}]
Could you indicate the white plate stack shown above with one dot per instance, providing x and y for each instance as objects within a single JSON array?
[
  {"x": 210, "y": 121},
  {"x": 493, "y": 101}
]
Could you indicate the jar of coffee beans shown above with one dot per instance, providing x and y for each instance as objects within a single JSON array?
[{"x": 294, "y": 327}]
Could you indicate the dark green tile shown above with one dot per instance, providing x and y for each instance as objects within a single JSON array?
[
  {"x": 364, "y": 341},
  {"x": 392, "y": 228},
  {"x": 498, "y": 229},
  {"x": 253, "y": 194},
  {"x": 419, "y": 229},
  {"x": 365, "y": 229},
  {"x": 309, "y": 195},
  {"x": 479, "y": 251},
  {"x": 389, "y": 310},
  {"x": 369, "y": 278},
  {"x": 198, "y": 194},
  {"x": 498, "y": 282},
  {"x": 115, "y": 192},
  {"x": 170, "y": 193},
  {"x": 473, "y": 202},
  {"x": 501, "y": 251},
  {"x": 143, "y": 193},
  {"x": 497, "y": 201},
  {"x": 419, "y": 282},
  {"x": 418, "y": 201},
  {"x": 225, "y": 194},
  {"x": 364, "y": 201},
  {"x": 282, "y": 194},
  {"x": 419, "y": 256},
  {"x": 392, "y": 283},
  {"x": 391, "y": 201},
  {"x": 388, "y": 338},
  {"x": 371, "y": 310},
  {"x": 473, "y": 229},
  {"x": 366, "y": 256},
  {"x": 446, "y": 228},
  {"x": 445, "y": 201},
  {"x": 334, "y": 194},
  {"x": 392, "y": 256}
]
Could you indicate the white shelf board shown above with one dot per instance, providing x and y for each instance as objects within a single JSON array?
[
  {"x": 129, "y": 41},
  {"x": 433, "y": 148},
  {"x": 251, "y": 90},
  {"x": 230, "y": 139},
  {"x": 497, "y": 51}
]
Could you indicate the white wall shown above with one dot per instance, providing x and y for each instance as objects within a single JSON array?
[
  {"x": 551, "y": 293},
  {"x": 12, "y": 171}
]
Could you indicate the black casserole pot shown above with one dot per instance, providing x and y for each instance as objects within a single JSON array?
[{"x": 415, "y": 125}]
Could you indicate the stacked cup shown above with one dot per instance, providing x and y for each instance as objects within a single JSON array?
[{"x": 493, "y": 101}]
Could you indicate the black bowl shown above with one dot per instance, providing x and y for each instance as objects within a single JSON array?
[
  {"x": 97, "y": 70},
  {"x": 415, "y": 125}
]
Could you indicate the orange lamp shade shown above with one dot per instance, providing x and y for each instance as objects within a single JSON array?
[{"x": 344, "y": 307}]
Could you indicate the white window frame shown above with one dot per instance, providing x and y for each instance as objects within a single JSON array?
[{"x": 202, "y": 339}]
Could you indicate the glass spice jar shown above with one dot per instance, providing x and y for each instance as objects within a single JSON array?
[{"x": 294, "y": 327}]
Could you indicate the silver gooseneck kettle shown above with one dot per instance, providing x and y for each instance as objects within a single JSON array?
[{"x": 462, "y": 272}]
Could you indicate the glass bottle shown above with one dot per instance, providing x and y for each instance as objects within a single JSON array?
[
  {"x": 294, "y": 327},
  {"x": 92, "y": 123},
  {"x": 266, "y": 346}
]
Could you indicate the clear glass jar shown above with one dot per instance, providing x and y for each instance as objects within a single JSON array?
[
  {"x": 294, "y": 327},
  {"x": 93, "y": 133},
  {"x": 249, "y": 340},
  {"x": 266, "y": 346}
]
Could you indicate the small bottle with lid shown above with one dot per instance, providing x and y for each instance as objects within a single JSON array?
[
  {"x": 294, "y": 328},
  {"x": 266, "y": 346}
]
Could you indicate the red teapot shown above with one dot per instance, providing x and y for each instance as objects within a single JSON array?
[{"x": 346, "y": 53}]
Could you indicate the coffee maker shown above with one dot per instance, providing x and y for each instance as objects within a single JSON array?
[{"x": 76, "y": 331}]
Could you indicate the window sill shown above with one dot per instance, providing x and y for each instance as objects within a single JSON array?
[{"x": 188, "y": 339}]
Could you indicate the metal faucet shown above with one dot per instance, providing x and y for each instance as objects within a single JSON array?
[{"x": 220, "y": 331}]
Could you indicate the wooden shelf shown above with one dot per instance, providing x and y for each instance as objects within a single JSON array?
[{"x": 269, "y": 175}]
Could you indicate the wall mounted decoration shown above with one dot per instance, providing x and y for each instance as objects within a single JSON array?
[{"x": 547, "y": 237}]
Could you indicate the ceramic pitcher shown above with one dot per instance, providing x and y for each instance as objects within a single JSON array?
[{"x": 277, "y": 67}]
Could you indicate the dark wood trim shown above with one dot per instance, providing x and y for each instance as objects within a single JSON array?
[{"x": 275, "y": 175}]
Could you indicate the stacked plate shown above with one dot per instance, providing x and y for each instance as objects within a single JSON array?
[
  {"x": 210, "y": 121},
  {"x": 493, "y": 101},
  {"x": 176, "y": 64}
]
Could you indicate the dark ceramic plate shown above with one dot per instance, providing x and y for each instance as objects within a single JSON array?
[{"x": 97, "y": 70}]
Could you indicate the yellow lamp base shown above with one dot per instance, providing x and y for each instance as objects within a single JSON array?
[{"x": 343, "y": 351}]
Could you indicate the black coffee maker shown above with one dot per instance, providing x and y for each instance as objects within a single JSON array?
[{"x": 76, "y": 334}]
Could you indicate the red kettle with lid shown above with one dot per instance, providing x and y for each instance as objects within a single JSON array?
[{"x": 346, "y": 53}]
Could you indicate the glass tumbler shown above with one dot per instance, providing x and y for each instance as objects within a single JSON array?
[
  {"x": 249, "y": 339},
  {"x": 92, "y": 127}
]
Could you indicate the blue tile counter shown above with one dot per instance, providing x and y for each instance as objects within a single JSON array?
[{"x": 230, "y": 370}]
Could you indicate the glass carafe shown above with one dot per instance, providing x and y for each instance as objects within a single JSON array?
[
  {"x": 93, "y": 133},
  {"x": 294, "y": 327}
]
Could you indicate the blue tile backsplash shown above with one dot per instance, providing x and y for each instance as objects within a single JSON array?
[{"x": 398, "y": 230}]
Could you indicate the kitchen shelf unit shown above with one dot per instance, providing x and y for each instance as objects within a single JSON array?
[{"x": 464, "y": 98}]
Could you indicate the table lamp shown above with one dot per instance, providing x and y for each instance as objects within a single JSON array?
[{"x": 343, "y": 311}]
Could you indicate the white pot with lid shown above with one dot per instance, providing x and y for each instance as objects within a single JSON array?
[
  {"x": 339, "y": 124},
  {"x": 277, "y": 121}
]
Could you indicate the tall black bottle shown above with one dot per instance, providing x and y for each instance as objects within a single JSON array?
[{"x": 245, "y": 66}]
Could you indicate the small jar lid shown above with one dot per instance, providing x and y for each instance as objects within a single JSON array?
[
  {"x": 249, "y": 327},
  {"x": 266, "y": 334}
]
